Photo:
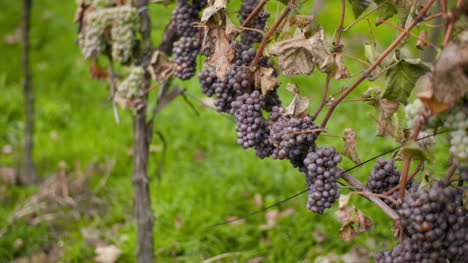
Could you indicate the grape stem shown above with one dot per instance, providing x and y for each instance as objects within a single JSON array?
[
  {"x": 415, "y": 172},
  {"x": 379, "y": 60},
  {"x": 451, "y": 171},
  {"x": 339, "y": 30},
  {"x": 270, "y": 32}
]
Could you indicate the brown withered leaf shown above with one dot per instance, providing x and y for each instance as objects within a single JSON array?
[
  {"x": 97, "y": 71},
  {"x": 300, "y": 21},
  {"x": 339, "y": 70},
  {"x": 450, "y": 74},
  {"x": 298, "y": 106},
  {"x": 217, "y": 7},
  {"x": 386, "y": 109},
  {"x": 430, "y": 103},
  {"x": 258, "y": 200},
  {"x": 160, "y": 67},
  {"x": 231, "y": 29},
  {"x": 347, "y": 231},
  {"x": 265, "y": 80},
  {"x": 350, "y": 145},
  {"x": 296, "y": 55},
  {"x": 355, "y": 222},
  {"x": 222, "y": 52}
]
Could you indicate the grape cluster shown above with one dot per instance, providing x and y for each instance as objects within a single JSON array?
[
  {"x": 293, "y": 138},
  {"x": 185, "y": 15},
  {"x": 123, "y": 32},
  {"x": 185, "y": 55},
  {"x": 464, "y": 174},
  {"x": 207, "y": 78},
  {"x": 436, "y": 225},
  {"x": 249, "y": 37},
  {"x": 91, "y": 41},
  {"x": 457, "y": 121},
  {"x": 250, "y": 127},
  {"x": 272, "y": 100},
  {"x": 322, "y": 174},
  {"x": 386, "y": 176},
  {"x": 412, "y": 113},
  {"x": 122, "y": 20},
  {"x": 133, "y": 86}
]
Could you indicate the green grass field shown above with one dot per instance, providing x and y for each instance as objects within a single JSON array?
[{"x": 206, "y": 178}]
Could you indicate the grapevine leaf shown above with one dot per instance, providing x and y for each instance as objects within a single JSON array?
[
  {"x": 265, "y": 79},
  {"x": 401, "y": 79},
  {"x": 355, "y": 222},
  {"x": 338, "y": 68},
  {"x": 350, "y": 145},
  {"x": 296, "y": 55},
  {"x": 298, "y": 106},
  {"x": 293, "y": 88},
  {"x": 404, "y": 9},
  {"x": 223, "y": 53},
  {"x": 450, "y": 74},
  {"x": 347, "y": 231},
  {"x": 412, "y": 150},
  {"x": 359, "y": 6},
  {"x": 386, "y": 11}
]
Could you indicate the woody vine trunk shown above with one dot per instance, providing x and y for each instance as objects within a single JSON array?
[
  {"x": 28, "y": 170},
  {"x": 141, "y": 140}
]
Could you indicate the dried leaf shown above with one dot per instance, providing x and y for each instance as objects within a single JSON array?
[
  {"x": 350, "y": 146},
  {"x": 319, "y": 236},
  {"x": 160, "y": 67},
  {"x": 339, "y": 70},
  {"x": 296, "y": 55},
  {"x": 355, "y": 222},
  {"x": 343, "y": 201},
  {"x": 347, "y": 232},
  {"x": 298, "y": 106},
  {"x": 179, "y": 221},
  {"x": 265, "y": 79},
  {"x": 450, "y": 74},
  {"x": 401, "y": 79},
  {"x": 258, "y": 200},
  {"x": 300, "y": 21},
  {"x": 222, "y": 52},
  {"x": 107, "y": 254},
  {"x": 97, "y": 71},
  {"x": 218, "y": 6},
  {"x": 293, "y": 88}
]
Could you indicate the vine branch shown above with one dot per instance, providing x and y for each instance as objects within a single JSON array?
[
  {"x": 270, "y": 32},
  {"x": 377, "y": 62}
]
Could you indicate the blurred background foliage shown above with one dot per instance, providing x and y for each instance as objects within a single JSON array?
[{"x": 206, "y": 178}]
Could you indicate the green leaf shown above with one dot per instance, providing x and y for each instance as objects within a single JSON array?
[
  {"x": 412, "y": 150},
  {"x": 386, "y": 11},
  {"x": 400, "y": 79},
  {"x": 359, "y": 6}
]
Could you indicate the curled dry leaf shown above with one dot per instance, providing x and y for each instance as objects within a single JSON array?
[
  {"x": 222, "y": 52},
  {"x": 218, "y": 7},
  {"x": 300, "y": 21},
  {"x": 107, "y": 254},
  {"x": 338, "y": 69},
  {"x": 386, "y": 110},
  {"x": 423, "y": 35},
  {"x": 265, "y": 80},
  {"x": 298, "y": 106},
  {"x": 296, "y": 55},
  {"x": 160, "y": 66},
  {"x": 350, "y": 145},
  {"x": 355, "y": 222},
  {"x": 450, "y": 74}
]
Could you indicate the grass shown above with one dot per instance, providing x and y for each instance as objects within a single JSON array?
[{"x": 207, "y": 177}]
